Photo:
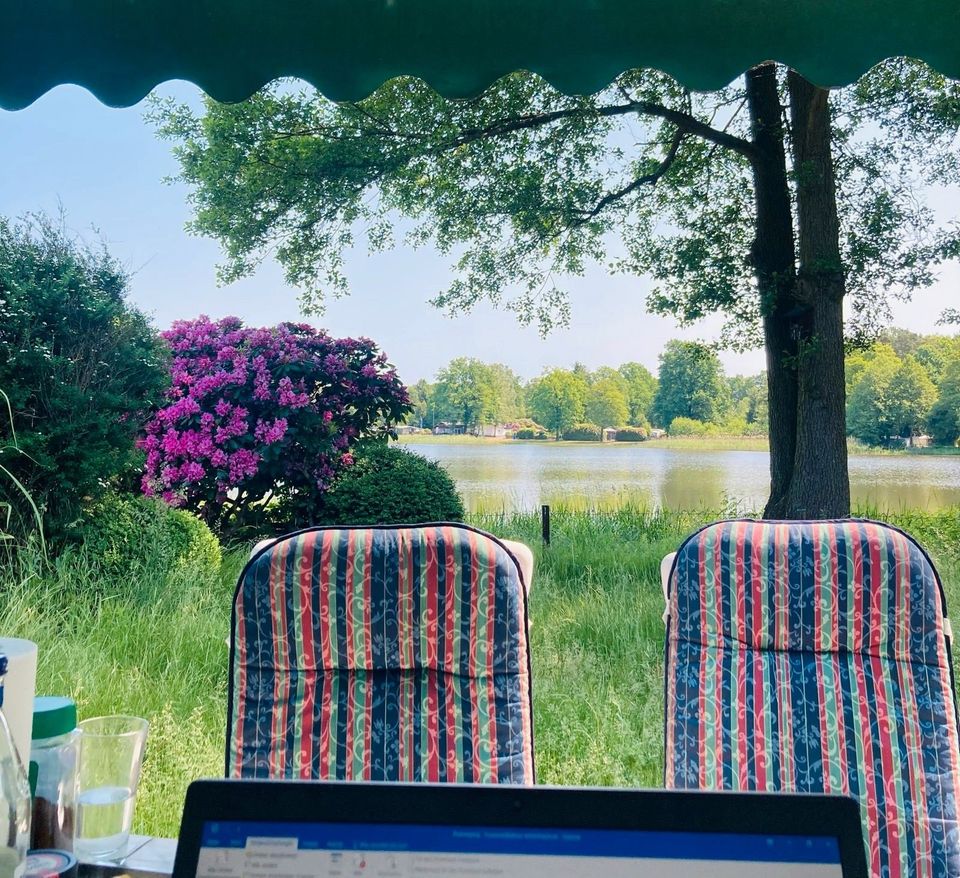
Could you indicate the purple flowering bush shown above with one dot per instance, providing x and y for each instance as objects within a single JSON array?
[{"x": 258, "y": 422}]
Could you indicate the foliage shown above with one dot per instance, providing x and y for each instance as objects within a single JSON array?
[
  {"x": 768, "y": 201},
  {"x": 691, "y": 385},
  {"x": 121, "y": 532},
  {"x": 530, "y": 433},
  {"x": 910, "y": 395},
  {"x": 632, "y": 434},
  {"x": 556, "y": 400},
  {"x": 889, "y": 396},
  {"x": 585, "y": 432},
  {"x": 77, "y": 364},
  {"x": 936, "y": 352},
  {"x": 464, "y": 392},
  {"x": 596, "y": 607},
  {"x": 944, "y": 419},
  {"x": 869, "y": 413},
  {"x": 389, "y": 485},
  {"x": 641, "y": 389},
  {"x": 681, "y": 426},
  {"x": 524, "y": 185},
  {"x": 422, "y": 404},
  {"x": 607, "y": 402},
  {"x": 749, "y": 401},
  {"x": 149, "y": 644},
  {"x": 473, "y": 393},
  {"x": 258, "y": 422}
]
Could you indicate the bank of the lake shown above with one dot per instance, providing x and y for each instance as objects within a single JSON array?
[
  {"x": 688, "y": 443},
  {"x": 676, "y": 474}
]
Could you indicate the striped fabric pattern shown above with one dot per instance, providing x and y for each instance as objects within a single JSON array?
[
  {"x": 394, "y": 653},
  {"x": 811, "y": 656}
]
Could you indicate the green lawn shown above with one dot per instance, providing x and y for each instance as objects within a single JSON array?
[{"x": 153, "y": 644}]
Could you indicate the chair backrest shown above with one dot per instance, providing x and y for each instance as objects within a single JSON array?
[
  {"x": 383, "y": 653},
  {"x": 813, "y": 657}
]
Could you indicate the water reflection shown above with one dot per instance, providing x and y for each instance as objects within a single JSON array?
[{"x": 524, "y": 475}]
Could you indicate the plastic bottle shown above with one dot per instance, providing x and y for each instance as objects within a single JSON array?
[
  {"x": 14, "y": 799},
  {"x": 53, "y": 761}
]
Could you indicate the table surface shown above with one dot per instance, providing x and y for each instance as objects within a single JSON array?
[{"x": 143, "y": 857}]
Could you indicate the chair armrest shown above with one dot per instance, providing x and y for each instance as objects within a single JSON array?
[
  {"x": 665, "y": 566},
  {"x": 524, "y": 556}
]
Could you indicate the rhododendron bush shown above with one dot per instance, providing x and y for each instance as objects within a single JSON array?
[{"x": 258, "y": 422}]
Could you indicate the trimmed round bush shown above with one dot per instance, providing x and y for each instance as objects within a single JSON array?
[
  {"x": 390, "y": 485},
  {"x": 687, "y": 427},
  {"x": 631, "y": 434},
  {"x": 123, "y": 533},
  {"x": 525, "y": 433},
  {"x": 583, "y": 433}
]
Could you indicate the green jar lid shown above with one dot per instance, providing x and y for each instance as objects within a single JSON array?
[{"x": 53, "y": 715}]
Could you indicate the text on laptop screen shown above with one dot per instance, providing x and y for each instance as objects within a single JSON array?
[{"x": 354, "y": 850}]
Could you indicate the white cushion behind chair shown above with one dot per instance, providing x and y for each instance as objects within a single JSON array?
[{"x": 666, "y": 565}]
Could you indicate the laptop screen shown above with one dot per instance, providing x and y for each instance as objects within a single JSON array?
[{"x": 233, "y": 849}]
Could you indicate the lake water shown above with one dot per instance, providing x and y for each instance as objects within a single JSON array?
[{"x": 523, "y": 475}]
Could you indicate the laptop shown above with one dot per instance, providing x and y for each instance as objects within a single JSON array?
[{"x": 304, "y": 829}]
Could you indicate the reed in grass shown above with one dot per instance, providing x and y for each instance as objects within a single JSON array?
[{"x": 152, "y": 644}]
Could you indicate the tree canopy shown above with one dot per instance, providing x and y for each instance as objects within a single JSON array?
[
  {"x": 769, "y": 201},
  {"x": 557, "y": 400},
  {"x": 691, "y": 385}
]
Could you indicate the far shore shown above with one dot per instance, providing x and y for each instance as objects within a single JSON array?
[{"x": 677, "y": 443}]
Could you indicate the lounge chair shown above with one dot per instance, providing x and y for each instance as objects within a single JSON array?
[
  {"x": 382, "y": 653},
  {"x": 815, "y": 657}
]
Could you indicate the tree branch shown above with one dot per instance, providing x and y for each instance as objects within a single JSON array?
[
  {"x": 644, "y": 180},
  {"x": 691, "y": 125},
  {"x": 684, "y": 121}
]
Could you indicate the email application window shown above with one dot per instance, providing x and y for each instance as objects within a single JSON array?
[{"x": 345, "y": 850}]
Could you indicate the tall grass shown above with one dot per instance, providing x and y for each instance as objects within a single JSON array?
[{"x": 152, "y": 644}]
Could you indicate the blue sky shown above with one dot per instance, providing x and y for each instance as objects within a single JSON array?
[{"x": 105, "y": 168}]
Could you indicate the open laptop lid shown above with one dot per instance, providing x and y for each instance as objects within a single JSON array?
[{"x": 294, "y": 829}]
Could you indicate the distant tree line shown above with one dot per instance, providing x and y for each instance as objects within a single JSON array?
[
  {"x": 693, "y": 395},
  {"x": 903, "y": 386}
]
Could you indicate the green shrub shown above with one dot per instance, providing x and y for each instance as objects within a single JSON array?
[
  {"x": 688, "y": 427},
  {"x": 583, "y": 433},
  {"x": 525, "y": 433},
  {"x": 632, "y": 434},
  {"x": 541, "y": 434},
  {"x": 122, "y": 534},
  {"x": 78, "y": 363},
  {"x": 390, "y": 485}
]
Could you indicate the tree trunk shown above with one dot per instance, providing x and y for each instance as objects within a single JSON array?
[
  {"x": 773, "y": 261},
  {"x": 820, "y": 486}
]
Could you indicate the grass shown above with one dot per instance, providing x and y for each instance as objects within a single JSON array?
[{"x": 152, "y": 644}]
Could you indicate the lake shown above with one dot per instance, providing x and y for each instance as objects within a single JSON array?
[{"x": 523, "y": 475}]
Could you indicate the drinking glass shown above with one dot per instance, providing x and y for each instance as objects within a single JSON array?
[{"x": 111, "y": 753}]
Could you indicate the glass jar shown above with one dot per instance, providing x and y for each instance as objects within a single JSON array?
[
  {"x": 14, "y": 799},
  {"x": 54, "y": 753}
]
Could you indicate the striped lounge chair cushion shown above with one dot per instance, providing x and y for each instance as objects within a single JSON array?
[
  {"x": 381, "y": 654},
  {"x": 812, "y": 656}
]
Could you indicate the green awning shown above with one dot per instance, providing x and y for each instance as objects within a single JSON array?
[{"x": 121, "y": 49}]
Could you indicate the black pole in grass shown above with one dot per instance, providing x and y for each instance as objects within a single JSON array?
[{"x": 545, "y": 523}]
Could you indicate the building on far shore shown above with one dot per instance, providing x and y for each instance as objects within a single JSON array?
[
  {"x": 446, "y": 428},
  {"x": 491, "y": 431},
  {"x": 922, "y": 441}
]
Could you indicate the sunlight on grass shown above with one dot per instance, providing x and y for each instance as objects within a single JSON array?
[{"x": 154, "y": 645}]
